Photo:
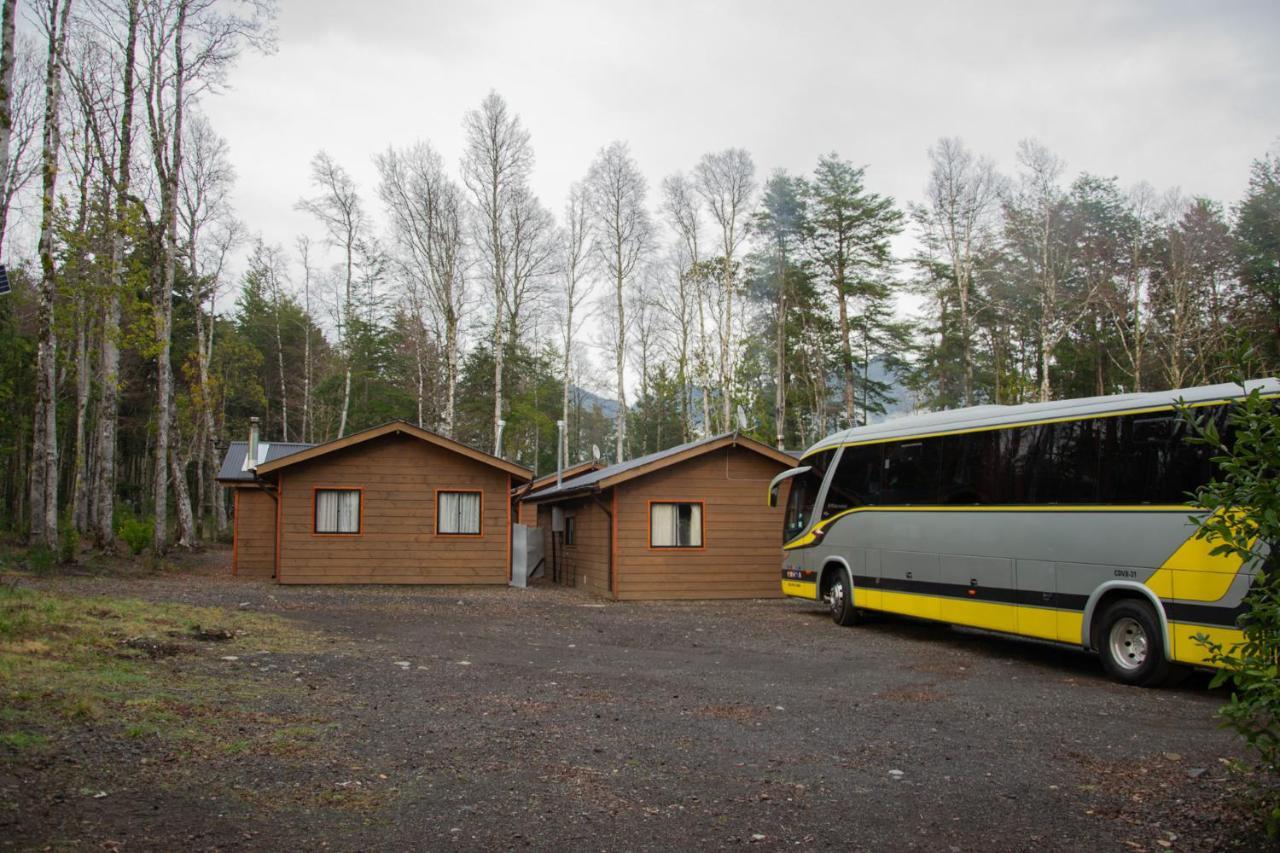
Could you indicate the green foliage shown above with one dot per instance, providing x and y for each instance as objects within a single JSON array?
[
  {"x": 41, "y": 559},
  {"x": 136, "y": 532},
  {"x": 1243, "y": 519}
]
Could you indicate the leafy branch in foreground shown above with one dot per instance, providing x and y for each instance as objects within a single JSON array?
[{"x": 1243, "y": 519}]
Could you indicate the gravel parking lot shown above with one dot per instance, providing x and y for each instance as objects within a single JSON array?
[{"x": 541, "y": 718}]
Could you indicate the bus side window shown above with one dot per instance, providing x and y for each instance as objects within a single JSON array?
[
  {"x": 911, "y": 472},
  {"x": 856, "y": 481}
]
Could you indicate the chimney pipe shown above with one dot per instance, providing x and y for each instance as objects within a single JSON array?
[
  {"x": 251, "y": 455},
  {"x": 560, "y": 460}
]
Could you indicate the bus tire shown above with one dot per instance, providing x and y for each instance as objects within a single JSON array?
[
  {"x": 1131, "y": 643},
  {"x": 841, "y": 602}
]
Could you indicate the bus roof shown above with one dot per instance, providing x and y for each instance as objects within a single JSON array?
[{"x": 991, "y": 416}]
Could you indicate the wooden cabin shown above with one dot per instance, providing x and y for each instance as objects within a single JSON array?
[
  {"x": 689, "y": 522},
  {"x": 391, "y": 504}
]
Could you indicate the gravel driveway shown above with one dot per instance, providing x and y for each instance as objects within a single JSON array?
[{"x": 541, "y": 718}]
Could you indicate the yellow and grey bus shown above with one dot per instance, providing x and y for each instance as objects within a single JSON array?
[{"x": 1066, "y": 521}]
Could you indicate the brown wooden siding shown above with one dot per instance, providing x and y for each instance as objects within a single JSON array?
[
  {"x": 585, "y": 563},
  {"x": 399, "y": 476},
  {"x": 741, "y": 555},
  {"x": 255, "y": 533}
]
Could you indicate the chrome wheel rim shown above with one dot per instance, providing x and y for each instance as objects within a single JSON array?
[
  {"x": 1129, "y": 644},
  {"x": 837, "y": 597}
]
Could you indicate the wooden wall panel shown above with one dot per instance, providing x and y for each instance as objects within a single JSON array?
[
  {"x": 398, "y": 543},
  {"x": 741, "y": 555},
  {"x": 255, "y": 533},
  {"x": 584, "y": 564}
]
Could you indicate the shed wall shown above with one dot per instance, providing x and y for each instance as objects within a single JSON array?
[
  {"x": 741, "y": 555},
  {"x": 255, "y": 533},
  {"x": 585, "y": 563},
  {"x": 398, "y": 543}
]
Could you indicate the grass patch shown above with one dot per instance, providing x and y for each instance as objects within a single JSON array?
[
  {"x": 69, "y": 661},
  {"x": 20, "y": 741}
]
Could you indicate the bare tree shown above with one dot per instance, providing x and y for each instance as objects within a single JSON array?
[
  {"x": 427, "y": 221},
  {"x": 8, "y": 24},
  {"x": 681, "y": 210},
  {"x": 339, "y": 210},
  {"x": 532, "y": 240},
  {"x": 108, "y": 412},
  {"x": 188, "y": 45},
  {"x": 495, "y": 169},
  {"x": 303, "y": 244},
  {"x": 616, "y": 190},
  {"x": 21, "y": 162},
  {"x": 726, "y": 182},
  {"x": 1034, "y": 226},
  {"x": 963, "y": 197},
  {"x": 575, "y": 267},
  {"x": 55, "y": 17},
  {"x": 203, "y": 195}
]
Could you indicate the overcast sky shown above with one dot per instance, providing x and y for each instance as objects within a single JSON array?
[{"x": 1178, "y": 94}]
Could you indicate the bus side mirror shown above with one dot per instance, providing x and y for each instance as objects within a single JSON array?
[{"x": 777, "y": 481}]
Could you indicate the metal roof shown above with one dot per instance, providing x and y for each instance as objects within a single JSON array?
[
  {"x": 991, "y": 416},
  {"x": 587, "y": 482},
  {"x": 233, "y": 470}
]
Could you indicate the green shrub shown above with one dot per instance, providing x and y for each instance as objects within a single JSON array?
[
  {"x": 136, "y": 532},
  {"x": 1243, "y": 519}
]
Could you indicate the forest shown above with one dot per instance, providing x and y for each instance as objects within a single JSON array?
[{"x": 147, "y": 323}]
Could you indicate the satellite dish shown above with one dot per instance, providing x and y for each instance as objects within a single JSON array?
[
  {"x": 595, "y": 453},
  {"x": 742, "y": 420}
]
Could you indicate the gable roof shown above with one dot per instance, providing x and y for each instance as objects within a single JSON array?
[
  {"x": 605, "y": 478},
  {"x": 399, "y": 427},
  {"x": 233, "y": 470},
  {"x": 568, "y": 473}
]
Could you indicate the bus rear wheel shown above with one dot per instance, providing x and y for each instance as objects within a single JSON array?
[
  {"x": 840, "y": 599},
  {"x": 1132, "y": 645}
]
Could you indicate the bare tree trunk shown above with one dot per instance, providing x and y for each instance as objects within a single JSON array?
[
  {"x": 451, "y": 368},
  {"x": 186, "y": 532},
  {"x": 7, "y": 26},
  {"x": 109, "y": 399},
  {"x": 164, "y": 297},
  {"x": 80, "y": 482},
  {"x": 44, "y": 462}
]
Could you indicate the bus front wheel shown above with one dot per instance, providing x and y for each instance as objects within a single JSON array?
[
  {"x": 840, "y": 599},
  {"x": 1131, "y": 643}
]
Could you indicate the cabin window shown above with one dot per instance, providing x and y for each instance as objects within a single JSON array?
[
  {"x": 458, "y": 513},
  {"x": 675, "y": 525},
  {"x": 568, "y": 530},
  {"x": 337, "y": 511}
]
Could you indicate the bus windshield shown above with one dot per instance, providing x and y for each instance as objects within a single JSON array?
[{"x": 804, "y": 494}]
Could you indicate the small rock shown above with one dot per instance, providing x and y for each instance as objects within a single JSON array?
[
  {"x": 1172, "y": 756},
  {"x": 401, "y": 663},
  {"x": 230, "y": 657},
  {"x": 464, "y": 663},
  {"x": 99, "y": 795},
  {"x": 755, "y": 836},
  {"x": 1196, "y": 772},
  {"x": 896, "y": 774}
]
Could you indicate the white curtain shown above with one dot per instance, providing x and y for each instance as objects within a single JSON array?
[
  {"x": 664, "y": 526},
  {"x": 693, "y": 531},
  {"x": 338, "y": 511},
  {"x": 459, "y": 512},
  {"x": 675, "y": 525}
]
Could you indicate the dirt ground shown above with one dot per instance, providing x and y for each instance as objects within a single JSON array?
[{"x": 545, "y": 719}]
